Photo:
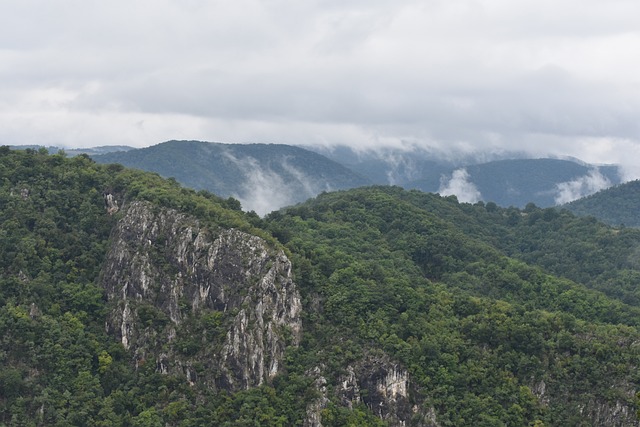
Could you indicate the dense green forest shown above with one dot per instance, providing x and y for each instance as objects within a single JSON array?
[
  {"x": 59, "y": 367},
  {"x": 617, "y": 206},
  {"x": 500, "y": 317},
  {"x": 426, "y": 279}
]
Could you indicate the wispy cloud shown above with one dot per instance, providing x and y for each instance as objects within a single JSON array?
[
  {"x": 264, "y": 189},
  {"x": 460, "y": 186},
  {"x": 581, "y": 187},
  {"x": 309, "y": 187}
]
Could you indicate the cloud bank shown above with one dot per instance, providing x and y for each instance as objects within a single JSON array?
[{"x": 545, "y": 77}]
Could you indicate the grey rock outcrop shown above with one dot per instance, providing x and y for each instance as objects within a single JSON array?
[
  {"x": 385, "y": 388},
  {"x": 314, "y": 408},
  {"x": 382, "y": 386},
  {"x": 217, "y": 306},
  {"x": 110, "y": 203},
  {"x": 618, "y": 414}
]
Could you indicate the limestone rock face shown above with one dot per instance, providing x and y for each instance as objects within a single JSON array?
[
  {"x": 314, "y": 408},
  {"x": 607, "y": 414},
  {"x": 218, "y": 306},
  {"x": 381, "y": 385},
  {"x": 384, "y": 387}
]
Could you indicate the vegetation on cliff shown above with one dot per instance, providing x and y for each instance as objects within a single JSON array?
[{"x": 59, "y": 365}]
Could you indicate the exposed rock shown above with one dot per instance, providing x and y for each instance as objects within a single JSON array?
[
  {"x": 618, "y": 414},
  {"x": 314, "y": 409},
  {"x": 218, "y": 307},
  {"x": 23, "y": 277},
  {"x": 349, "y": 388},
  {"x": 34, "y": 311},
  {"x": 539, "y": 389},
  {"x": 386, "y": 389},
  {"x": 110, "y": 203},
  {"x": 24, "y": 192}
]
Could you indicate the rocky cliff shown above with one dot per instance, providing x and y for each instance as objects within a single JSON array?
[
  {"x": 219, "y": 307},
  {"x": 383, "y": 386},
  {"x": 214, "y": 305}
]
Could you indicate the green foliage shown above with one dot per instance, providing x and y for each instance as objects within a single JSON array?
[
  {"x": 58, "y": 365},
  {"x": 427, "y": 280},
  {"x": 617, "y": 206},
  {"x": 501, "y": 316},
  {"x": 359, "y": 416}
]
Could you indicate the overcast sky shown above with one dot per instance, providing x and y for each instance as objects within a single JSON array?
[{"x": 558, "y": 77}]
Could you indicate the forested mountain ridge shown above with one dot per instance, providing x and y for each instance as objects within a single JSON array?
[
  {"x": 409, "y": 239},
  {"x": 512, "y": 180},
  {"x": 545, "y": 182},
  {"x": 84, "y": 246},
  {"x": 374, "y": 306},
  {"x": 264, "y": 177},
  {"x": 618, "y": 205},
  {"x": 75, "y": 151}
]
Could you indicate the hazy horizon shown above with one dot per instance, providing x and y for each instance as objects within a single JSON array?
[{"x": 474, "y": 76}]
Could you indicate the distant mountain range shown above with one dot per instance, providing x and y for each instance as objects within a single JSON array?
[
  {"x": 507, "y": 182},
  {"x": 544, "y": 182},
  {"x": 76, "y": 151},
  {"x": 266, "y": 177}
]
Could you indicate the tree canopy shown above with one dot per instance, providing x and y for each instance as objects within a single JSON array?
[{"x": 499, "y": 316}]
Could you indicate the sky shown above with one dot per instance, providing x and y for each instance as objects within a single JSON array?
[{"x": 546, "y": 77}]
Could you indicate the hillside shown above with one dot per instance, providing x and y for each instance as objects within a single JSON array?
[
  {"x": 84, "y": 246},
  {"x": 544, "y": 182},
  {"x": 131, "y": 301},
  {"x": 618, "y": 205},
  {"x": 508, "y": 182},
  {"x": 427, "y": 279},
  {"x": 76, "y": 151},
  {"x": 264, "y": 177}
]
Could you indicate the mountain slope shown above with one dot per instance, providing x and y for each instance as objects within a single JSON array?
[
  {"x": 263, "y": 177},
  {"x": 544, "y": 182},
  {"x": 485, "y": 339},
  {"x": 616, "y": 206},
  {"x": 128, "y": 300},
  {"x": 84, "y": 246},
  {"x": 76, "y": 151},
  {"x": 517, "y": 182},
  {"x": 507, "y": 182}
]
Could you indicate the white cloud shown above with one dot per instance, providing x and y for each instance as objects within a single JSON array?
[
  {"x": 473, "y": 75},
  {"x": 263, "y": 189},
  {"x": 460, "y": 186},
  {"x": 581, "y": 187}
]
